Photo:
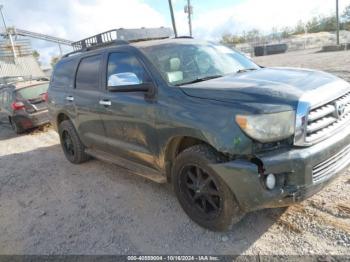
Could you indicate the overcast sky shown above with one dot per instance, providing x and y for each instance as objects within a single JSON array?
[{"x": 76, "y": 19}]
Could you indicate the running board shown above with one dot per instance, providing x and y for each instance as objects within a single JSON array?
[{"x": 135, "y": 168}]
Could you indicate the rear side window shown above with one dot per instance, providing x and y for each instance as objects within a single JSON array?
[
  {"x": 88, "y": 73},
  {"x": 64, "y": 74}
]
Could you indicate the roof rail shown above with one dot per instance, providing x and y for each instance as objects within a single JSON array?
[{"x": 120, "y": 36}]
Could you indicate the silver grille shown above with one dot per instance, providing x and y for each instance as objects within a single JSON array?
[
  {"x": 331, "y": 166},
  {"x": 327, "y": 119}
]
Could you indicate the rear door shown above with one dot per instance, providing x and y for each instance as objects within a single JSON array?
[
  {"x": 128, "y": 117},
  {"x": 62, "y": 83},
  {"x": 85, "y": 97}
]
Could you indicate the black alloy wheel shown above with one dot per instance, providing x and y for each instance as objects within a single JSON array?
[
  {"x": 202, "y": 193},
  {"x": 68, "y": 143},
  {"x": 201, "y": 189},
  {"x": 72, "y": 146}
]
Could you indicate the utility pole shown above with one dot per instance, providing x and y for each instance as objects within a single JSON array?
[
  {"x": 172, "y": 17},
  {"x": 60, "y": 48},
  {"x": 337, "y": 13},
  {"x": 189, "y": 11},
  {"x": 8, "y": 34}
]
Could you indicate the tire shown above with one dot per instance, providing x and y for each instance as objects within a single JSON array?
[
  {"x": 73, "y": 148},
  {"x": 219, "y": 210},
  {"x": 15, "y": 126}
]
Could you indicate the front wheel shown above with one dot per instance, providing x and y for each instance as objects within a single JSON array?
[{"x": 203, "y": 195}]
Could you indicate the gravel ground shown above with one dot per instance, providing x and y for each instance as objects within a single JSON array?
[{"x": 49, "y": 206}]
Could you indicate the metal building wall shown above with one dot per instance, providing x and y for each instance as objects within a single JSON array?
[{"x": 25, "y": 65}]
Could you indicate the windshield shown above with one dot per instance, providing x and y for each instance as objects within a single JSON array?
[
  {"x": 32, "y": 92},
  {"x": 187, "y": 63}
]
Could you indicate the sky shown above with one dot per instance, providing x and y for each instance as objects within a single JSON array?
[{"x": 77, "y": 19}]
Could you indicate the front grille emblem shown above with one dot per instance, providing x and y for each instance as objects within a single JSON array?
[{"x": 340, "y": 109}]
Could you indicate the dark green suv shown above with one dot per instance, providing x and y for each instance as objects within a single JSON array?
[{"x": 230, "y": 136}]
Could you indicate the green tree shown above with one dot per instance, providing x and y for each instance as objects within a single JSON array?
[
  {"x": 346, "y": 14},
  {"x": 54, "y": 60},
  {"x": 313, "y": 26},
  {"x": 346, "y": 18},
  {"x": 299, "y": 28},
  {"x": 229, "y": 39},
  {"x": 286, "y": 32},
  {"x": 253, "y": 35},
  {"x": 328, "y": 23},
  {"x": 36, "y": 55}
]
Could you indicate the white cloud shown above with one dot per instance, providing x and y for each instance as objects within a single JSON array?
[
  {"x": 263, "y": 15},
  {"x": 81, "y": 18},
  {"x": 74, "y": 20}
]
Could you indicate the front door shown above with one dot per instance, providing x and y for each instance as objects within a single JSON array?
[{"x": 128, "y": 116}]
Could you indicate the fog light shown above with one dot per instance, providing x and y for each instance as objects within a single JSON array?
[{"x": 270, "y": 181}]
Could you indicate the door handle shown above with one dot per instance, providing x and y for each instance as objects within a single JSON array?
[
  {"x": 70, "y": 98},
  {"x": 105, "y": 102}
]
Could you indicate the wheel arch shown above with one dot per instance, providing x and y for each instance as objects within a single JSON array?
[
  {"x": 62, "y": 117},
  {"x": 178, "y": 144}
]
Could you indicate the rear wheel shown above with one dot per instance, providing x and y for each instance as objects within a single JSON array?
[
  {"x": 15, "y": 126},
  {"x": 73, "y": 148},
  {"x": 203, "y": 195}
]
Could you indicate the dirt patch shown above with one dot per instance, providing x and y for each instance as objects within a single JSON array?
[{"x": 40, "y": 129}]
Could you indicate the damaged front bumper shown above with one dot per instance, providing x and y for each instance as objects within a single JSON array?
[{"x": 295, "y": 171}]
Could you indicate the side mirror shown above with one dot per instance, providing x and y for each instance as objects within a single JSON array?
[
  {"x": 123, "y": 79},
  {"x": 144, "y": 87}
]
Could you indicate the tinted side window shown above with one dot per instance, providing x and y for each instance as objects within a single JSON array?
[
  {"x": 64, "y": 74},
  {"x": 125, "y": 69},
  {"x": 88, "y": 73}
]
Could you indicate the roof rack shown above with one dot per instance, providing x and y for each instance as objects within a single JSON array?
[{"x": 120, "y": 36}]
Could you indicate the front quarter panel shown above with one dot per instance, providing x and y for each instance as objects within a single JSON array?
[{"x": 179, "y": 115}]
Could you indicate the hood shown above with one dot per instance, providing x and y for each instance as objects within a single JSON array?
[{"x": 267, "y": 89}]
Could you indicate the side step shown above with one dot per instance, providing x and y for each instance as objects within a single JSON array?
[{"x": 135, "y": 168}]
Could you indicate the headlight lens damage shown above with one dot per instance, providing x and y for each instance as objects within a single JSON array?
[{"x": 268, "y": 127}]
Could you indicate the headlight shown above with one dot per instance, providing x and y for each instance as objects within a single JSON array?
[{"x": 268, "y": 127}]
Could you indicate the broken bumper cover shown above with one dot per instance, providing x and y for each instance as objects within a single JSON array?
[{"x": 295, "y": 167}]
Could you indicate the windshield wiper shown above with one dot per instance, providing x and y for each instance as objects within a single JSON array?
[
  {"x": 201, "y": 79},
  {"x": 245, "y": 70}
]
